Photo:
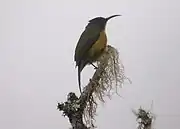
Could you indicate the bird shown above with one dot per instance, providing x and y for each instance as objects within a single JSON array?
[{"x": 91, "y": 44}]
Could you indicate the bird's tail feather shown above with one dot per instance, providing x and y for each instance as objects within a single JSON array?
[
  {"x": 79, "y": 77},
  {"x": 81, "y": 66}
]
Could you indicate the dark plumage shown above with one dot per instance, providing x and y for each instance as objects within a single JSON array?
[{"x": 91, "y": 44}]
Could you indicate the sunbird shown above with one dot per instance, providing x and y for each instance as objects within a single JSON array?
[{"x": 91, "y": 44}]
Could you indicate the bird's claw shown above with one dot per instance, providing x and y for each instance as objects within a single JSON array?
[{"x": 95, "y": 67}]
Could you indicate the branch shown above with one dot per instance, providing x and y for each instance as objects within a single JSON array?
[
  {"x": 144, "y": 118},
  {"x": 109, "y": 70}
]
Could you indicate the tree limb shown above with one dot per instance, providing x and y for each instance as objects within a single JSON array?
[{"x": 108, "y": 70}]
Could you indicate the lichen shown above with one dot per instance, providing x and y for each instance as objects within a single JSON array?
[{"x": 112, "y": 77}]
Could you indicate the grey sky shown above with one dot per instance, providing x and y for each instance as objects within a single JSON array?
[{"x": 37, "y": 41}]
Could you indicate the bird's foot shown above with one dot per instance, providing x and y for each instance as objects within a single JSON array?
[{"x": 95, "y": 67}]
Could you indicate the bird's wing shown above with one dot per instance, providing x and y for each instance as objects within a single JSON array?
[{"x": 87, "y": 39}]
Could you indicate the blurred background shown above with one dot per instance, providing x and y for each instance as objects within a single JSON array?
[{"x": 37, "y": 68}]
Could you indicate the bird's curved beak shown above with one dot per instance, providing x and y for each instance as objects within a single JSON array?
[{"x": 112, "y": 17}]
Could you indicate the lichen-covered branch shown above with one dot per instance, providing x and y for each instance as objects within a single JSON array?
[
  {"x": 144, "y": 118},
  {"x": 106, "y": 79}
]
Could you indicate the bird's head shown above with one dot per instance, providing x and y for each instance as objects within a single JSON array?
[{"x": 101, "y": 21}]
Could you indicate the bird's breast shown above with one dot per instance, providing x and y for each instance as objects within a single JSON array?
[
  {"x": 99, "y": 46},
  {"x": 101, "y": 42}
]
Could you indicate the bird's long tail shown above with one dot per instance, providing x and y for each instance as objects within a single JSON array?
[
  {"x": 81, "y": 66},
  {"x": 79, "y": 77}
]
